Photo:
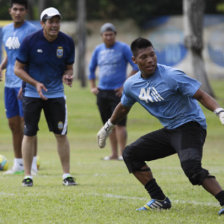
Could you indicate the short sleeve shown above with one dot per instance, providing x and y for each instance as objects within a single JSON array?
[
  {"x": 23, "y": 52},
  {"x": 126, "y": 98},
  {"x": 185, "y": 84}
]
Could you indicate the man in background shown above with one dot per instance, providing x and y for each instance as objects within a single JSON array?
[
  {"x": 112, "y": 58},
  {"x": 13, "y": 35}
]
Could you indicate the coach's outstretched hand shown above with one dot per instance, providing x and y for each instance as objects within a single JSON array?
[
  {"x": 103, "y": 133},
  {"x": 220, "y": 113}
]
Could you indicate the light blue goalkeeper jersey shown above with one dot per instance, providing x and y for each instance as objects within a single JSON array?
[
  {"x": 112, "y": 63},
  {"x": 12, "y": 39},
  {"x": 167, "y": 95}
]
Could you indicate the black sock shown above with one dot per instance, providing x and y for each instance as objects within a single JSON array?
[
  {"x": 154, "y": 190},
  {"x": 220, "y": 197}
]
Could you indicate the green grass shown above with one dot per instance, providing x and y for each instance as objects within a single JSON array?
[{"x": 106, "y": 193}]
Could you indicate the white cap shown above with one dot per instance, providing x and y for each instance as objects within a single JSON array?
[{"x": 49, "y": 13}]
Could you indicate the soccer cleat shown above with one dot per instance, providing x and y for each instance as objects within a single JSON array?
[
  {"x": 27, "y": 182},
  {"x": 15, "y": 170},
  {"x": 69, "y": 181},
  {"x": 221, "y": 211},
  {"x": 156, "y": 204}
]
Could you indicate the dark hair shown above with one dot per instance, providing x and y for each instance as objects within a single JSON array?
[
  {"x": 21, "y": 2},
  {"x": 140, "y": 43}
]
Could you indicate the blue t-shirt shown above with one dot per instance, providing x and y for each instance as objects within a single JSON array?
[
  {"x": 12, "y": 39},
  {"x": 112, "y": 63},
  {"x": 167, "y": 95},
  {"x": 46, "y": 62}
]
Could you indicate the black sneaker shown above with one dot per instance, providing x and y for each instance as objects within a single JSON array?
[
  {"x": 69, "y": 181},
  {"x": 27, "y": 182},
  {"x": 156, "y": 204}
]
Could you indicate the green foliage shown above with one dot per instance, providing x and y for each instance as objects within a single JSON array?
[
  {"x": 68, "y": 7},
  {"x": 139, "y": 10},
  {"x": 107, "y": 193},
  {"x": 4, "y": 9},
  {"x": 220, "y": 7}
]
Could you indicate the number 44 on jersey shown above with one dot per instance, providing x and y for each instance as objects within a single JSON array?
[{"x": 150, "y": 95}]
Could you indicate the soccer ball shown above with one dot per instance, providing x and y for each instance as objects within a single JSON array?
[{"x": 3, "y": 163}]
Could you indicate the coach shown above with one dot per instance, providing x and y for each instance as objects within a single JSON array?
[{"x": 44, "y": 62}]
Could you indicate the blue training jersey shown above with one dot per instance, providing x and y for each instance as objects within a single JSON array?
[
  {"x": 112, "y": 63},
  {"x": 167, "y": 95},
  {"x": 12, "y": 39},
  {"x": 46, "y": 62}
]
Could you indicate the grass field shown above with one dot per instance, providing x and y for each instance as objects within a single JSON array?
[{"x": 107, "y": 193}]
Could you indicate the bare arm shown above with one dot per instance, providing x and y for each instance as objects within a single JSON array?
[
  {"x": 93, "y": 87},
  {"x": 210, "y": 103},
  {"x": 3, "y": 66},
  {"x": 206, "y": 100},
  {"x": 68, "y": 75},
  {"x": 4, "y": 63},
  {"x": 119, "y": 113},
  {"x": 19, "y": 70}
]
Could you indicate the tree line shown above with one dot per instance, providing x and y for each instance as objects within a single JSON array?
[{"x": 140, "y": 10}]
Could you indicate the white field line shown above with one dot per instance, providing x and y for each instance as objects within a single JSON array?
[
  {"x": 213, "y": 204},
  {"x": 7, "y": 194}
]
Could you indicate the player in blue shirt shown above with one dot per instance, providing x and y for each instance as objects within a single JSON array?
[
  {"x": 44, "y": 62},
  {"x": 13, "y": 35},
  {"x": 112, "y": 58},
  {"x": 171, "y": 96}
]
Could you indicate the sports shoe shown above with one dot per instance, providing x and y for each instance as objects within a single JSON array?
[
  {"x": 69, "y": 181},
  {"x": 156, "y": 204},
  {"x": 15, "y": 170},
  {"x": 221, "y": 211},
  {"x": 107, "y": 158},
  {"x": 27, "y": 182},
  {"x": 120, "y": 158}
]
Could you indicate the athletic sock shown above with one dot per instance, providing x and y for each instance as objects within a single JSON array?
[
  {"x": 154, "y": 190},
  {"x": 220, "y": 197},
  {"x": 18, "y": 162},
  {"x": 34, "y": 163},
  {"x": 65, "y": 175}
]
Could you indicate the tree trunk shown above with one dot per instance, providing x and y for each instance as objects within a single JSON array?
[
  {"x": 193, "y": 28},
  {"x": 30, "y": 15},
  {"x": 81, "y": 33},
  {"x": 42, "y": 4}
]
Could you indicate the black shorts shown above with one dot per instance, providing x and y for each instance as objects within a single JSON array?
[
  {"x": 106, "y": 102},
  {"x": 187, "y": 141},
  {"x": 55, "y": 112}
]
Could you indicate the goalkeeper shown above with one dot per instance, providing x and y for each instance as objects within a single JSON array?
[{"x": 171, "y": 96}]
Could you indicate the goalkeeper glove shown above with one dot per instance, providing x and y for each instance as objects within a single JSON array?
[
  {"x": 103, "y": 133},
  {"x": 220, "y": 112}
]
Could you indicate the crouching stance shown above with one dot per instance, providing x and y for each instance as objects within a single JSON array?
[{"x": 171, "y": 96}]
